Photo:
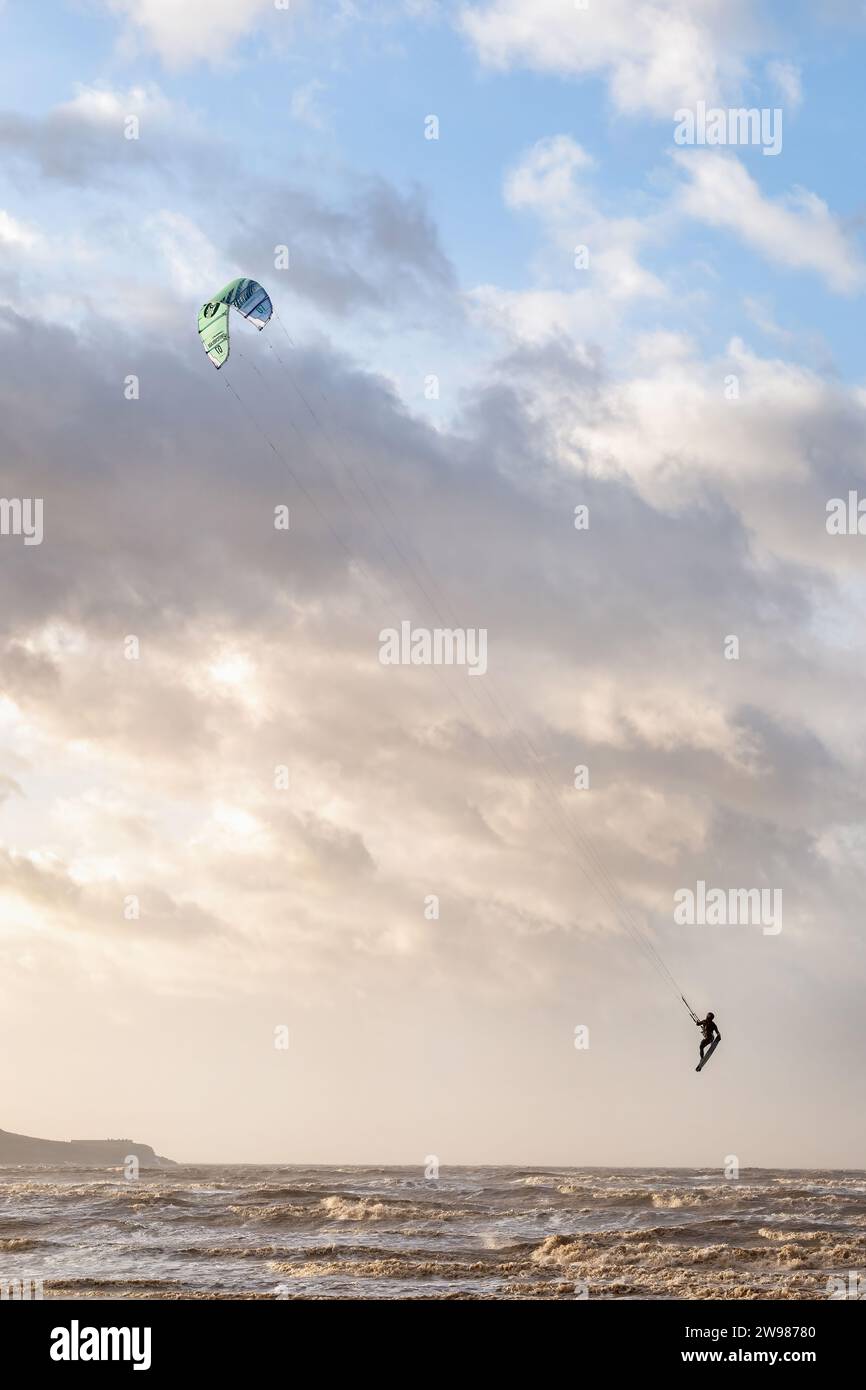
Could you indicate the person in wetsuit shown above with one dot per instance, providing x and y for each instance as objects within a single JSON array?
[{"x": 710, "y": 1031}]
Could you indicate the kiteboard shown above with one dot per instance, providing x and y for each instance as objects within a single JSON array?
[{"x": 708, "y": 1054}]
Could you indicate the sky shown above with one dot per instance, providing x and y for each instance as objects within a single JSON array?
[{"x": 264, "y": 898}]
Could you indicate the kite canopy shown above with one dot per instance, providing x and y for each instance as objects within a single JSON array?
[{"x": 248, "y": 297}]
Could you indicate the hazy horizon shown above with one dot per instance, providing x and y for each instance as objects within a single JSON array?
[{"x": 413, "y": 1164}]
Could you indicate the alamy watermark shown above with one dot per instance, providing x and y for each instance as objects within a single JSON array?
[
  {"x": 22, "y": 516},
  {"x": 729, "y": 907},
  {"x": 854, "y": 1286},
  {"x": 17, "y": 1289},
  {"x": 77, "y": 1343},
  {"x": 739, "y": 125},
  {"x": 437, "y": 646},
  {"x": 846, "y": 516}
]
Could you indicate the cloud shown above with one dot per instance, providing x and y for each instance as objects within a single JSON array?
[
  {"x": 8, "y": 787},
  {"x": 650, "y": 453},
  {"x": 797, "y": 230},
  {"x": 588, "y": 267},
  {"x": 788, "y": 80},
  {"x": 303, "y": 105},
  {"x": 545, "y": 179},
  {"x": 188, "y": 253},
  {"x": 68, "y": 898},
  {"x": 376, "y": 249},
  {"x": 656, "y": 56},
  {"x": 537, "y": 316},
  {"x": 196, "y": 30},
  {"x": 81, "y": 139},
  {"x": 761, "y": 315},
  {"x": 19, "y": 235},
  {"x": 372, "y": 248},
  {"x": 547, "y": 182}
]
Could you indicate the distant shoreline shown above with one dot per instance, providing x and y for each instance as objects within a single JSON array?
[{"x": 18, "y": 1149}]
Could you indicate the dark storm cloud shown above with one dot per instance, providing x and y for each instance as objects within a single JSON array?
[
  {"x": 69, "y": 147},
  {"x": 379, "y": 249},
  {"x": 162, "y": 507},
  {"x": 159, "y": 522}
]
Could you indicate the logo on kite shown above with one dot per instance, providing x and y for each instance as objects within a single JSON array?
[{"x": 248, "y": 298}]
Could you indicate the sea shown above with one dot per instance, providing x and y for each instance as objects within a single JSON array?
[{"x": 232, "y": 1232}]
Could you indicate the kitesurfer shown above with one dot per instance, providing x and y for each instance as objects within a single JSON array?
[{"x": 710, "y": 1031}]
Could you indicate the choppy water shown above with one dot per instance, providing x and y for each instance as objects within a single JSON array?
[{"x": 290, "y": 1232}]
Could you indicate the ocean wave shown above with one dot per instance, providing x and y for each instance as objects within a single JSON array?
[
  {"x": 70, "y": 1194},
  {"x": 15, "y": 1245},
  {"x": 657, "y": 1263},
  {"x": 84, "y": 1282},
  {"x": 734, "y": 1196},
  {"x": 337, "y": 1208},
  {"x": 397, "y": 1267}
]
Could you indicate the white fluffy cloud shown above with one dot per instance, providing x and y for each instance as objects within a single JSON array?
[
  {"x": 97, "y": 105},
  {"x": 582, "y": 299},
  {"x": 657, "y": 56},
  {"x": 787, "y": 79},
  {"x": 185, "y": 31},
  {"x": 797, "y": 231},
  {"x": 547, "y": 182}
]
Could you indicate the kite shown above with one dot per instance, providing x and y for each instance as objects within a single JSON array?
[{"x": 248, "y": 297}]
